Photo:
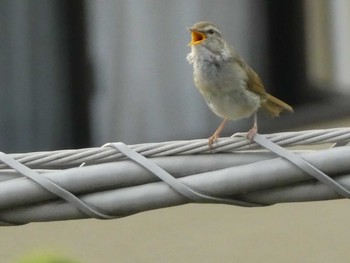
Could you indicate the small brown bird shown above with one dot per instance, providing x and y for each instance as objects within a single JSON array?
[{"x": 230, "y": 87}]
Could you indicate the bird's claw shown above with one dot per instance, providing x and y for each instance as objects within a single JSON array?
[
  {"x": 252, "y": 132},
  {"x": 212, "y": 139}
]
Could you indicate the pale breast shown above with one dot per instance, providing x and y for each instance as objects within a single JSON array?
[{"x": 223, "y": 86}]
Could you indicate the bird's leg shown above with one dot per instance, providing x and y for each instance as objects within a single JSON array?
[
  {"x": 216, "y": 134},
  {"x": 254, "y": 130}
]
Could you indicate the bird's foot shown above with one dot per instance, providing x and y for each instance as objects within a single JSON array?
[
  {"x": 252, "y": 132},
  {"x": 212, "y": 139},
  {"x": 216, "y": 134}
]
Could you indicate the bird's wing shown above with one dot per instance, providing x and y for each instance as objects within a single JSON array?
[
  {"x": 254, "y": 83},
  {"x": 270, "y": 103}
]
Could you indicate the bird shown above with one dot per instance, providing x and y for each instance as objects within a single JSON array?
[{"x": 230, "y": 87}]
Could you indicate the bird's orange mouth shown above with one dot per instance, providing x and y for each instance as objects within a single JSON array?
[{"x": 197, "y": 37}]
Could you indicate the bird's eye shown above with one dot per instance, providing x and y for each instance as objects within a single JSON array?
[{"x": 211, "y": 31}]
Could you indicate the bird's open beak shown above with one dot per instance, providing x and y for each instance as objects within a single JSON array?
[{"x": 197, "y": 37}]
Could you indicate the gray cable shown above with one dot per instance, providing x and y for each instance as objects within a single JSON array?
[
  {"x": 182, "y": 188},
  {"x": 52, "y": 187},
  {"x": 72, "y": 158},
  {"x": 302, "y": 164},
  {"x": 120, "y": 187},
  {"x": 130, "y": 198}
]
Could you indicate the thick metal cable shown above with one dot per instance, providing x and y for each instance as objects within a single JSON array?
[
  {"x": 257, "y": 178},
  {"x": 303, "y": 165},
  {"x": 93, "y": 184},
  {"x": 182, "y": 188},
  {"x": 72, "y": 158},
  {"x": 53, "y": 187}
]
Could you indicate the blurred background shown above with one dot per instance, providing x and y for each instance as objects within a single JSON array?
[{"x": 81, "y": 73}]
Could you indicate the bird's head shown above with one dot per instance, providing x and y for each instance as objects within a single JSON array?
[{"x": 206, "y": 34}]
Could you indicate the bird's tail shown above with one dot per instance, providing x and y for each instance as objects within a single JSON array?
[{"x": 274, "y": 106}]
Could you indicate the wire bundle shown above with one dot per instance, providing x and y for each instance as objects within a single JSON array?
[{"x": 235, "y": 169}]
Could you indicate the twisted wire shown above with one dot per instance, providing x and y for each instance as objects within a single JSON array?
[
  {"x": 109, "y": 182},
  {"x": 71, "y": 158}
]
